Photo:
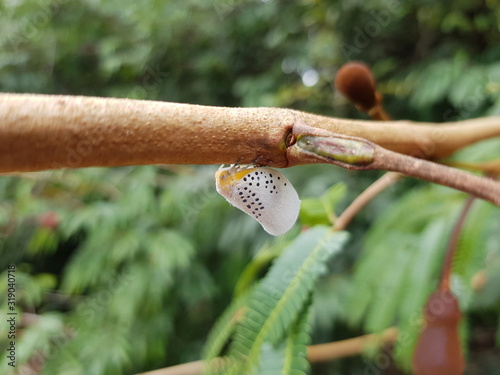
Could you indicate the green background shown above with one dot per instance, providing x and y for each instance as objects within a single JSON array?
[{"x": 122, "y": 270}]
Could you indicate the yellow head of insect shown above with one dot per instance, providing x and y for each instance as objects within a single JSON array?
[{"x": 226, "y": 178}]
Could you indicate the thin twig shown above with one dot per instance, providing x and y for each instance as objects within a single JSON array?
[
  {"x": 365, "y": 197},
  {"x": 349, "y": 347},
  {"x": 378, "y": 113},
  {"x": 190, "y": 368},
  {"x": 480, "y": 187}
]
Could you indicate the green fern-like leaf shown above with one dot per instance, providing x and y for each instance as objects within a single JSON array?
[
  {"x": 401, "y": 263},
  {"x": 390, "y": 292},
  {"x": 262, "y": 259},
  {"x": 400, "y": 230},
  {"x": 289, "y": 358},
  {"x": 489, "y": 295},
  {"x": 419, "y": 281},
  {"x": 410, "y": 216},
  {"x": 295, "y": 360},
  {"x": 222, "y": 331},
  {"x": 279, "y": 298},
  {"x": 376, "y": 276},
  {"x": 471, "y": 250}
]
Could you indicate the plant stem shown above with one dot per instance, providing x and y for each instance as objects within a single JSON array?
[
  {"x": 318, "y": 145},
  {"x": 41, "y": 132},
  {"x": 452, "y": 245},
  {"x": 315, "y": 353},
  {"x": 378, "y": 113},
  {"x": 364, "y": 198},
  {"x": 349, "y": 347},
  {"x": 190, "y": 368},
  {"x": 480, "y": 187}
]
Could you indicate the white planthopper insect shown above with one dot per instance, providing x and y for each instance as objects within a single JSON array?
[{"x": 263, "y": 193}]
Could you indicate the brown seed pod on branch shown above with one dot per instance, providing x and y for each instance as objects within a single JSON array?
[{"x": 356, "y": 82}]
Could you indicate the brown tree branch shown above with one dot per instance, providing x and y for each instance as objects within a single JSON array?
[
  {"x": 312, "y": 144},
  {"x": 49, "y": 132},
  {"x": 422, "y": 139},
  {"x": 40, "y": 132}
]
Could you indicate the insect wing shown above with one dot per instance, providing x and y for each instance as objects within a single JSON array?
[{"x": 265, "y": 194}]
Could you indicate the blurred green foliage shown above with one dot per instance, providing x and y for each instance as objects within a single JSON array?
[{"x": 121, "y": 270}]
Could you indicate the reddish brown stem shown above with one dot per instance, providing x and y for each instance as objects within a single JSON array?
[
  {"x": 452, "y": 245},
  {"x": 378, "y": 113}
]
